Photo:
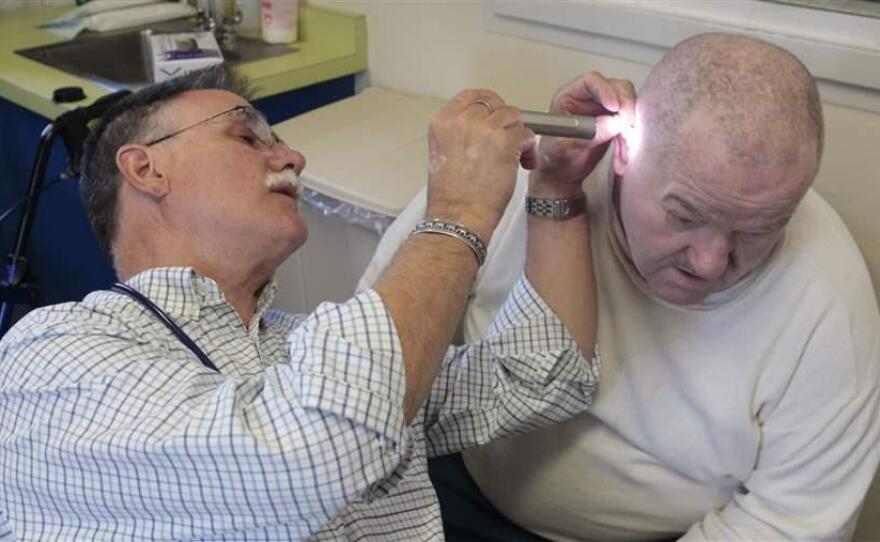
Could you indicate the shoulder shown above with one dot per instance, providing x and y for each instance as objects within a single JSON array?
[
  {"x": 817, "y": 231},
  {"x": 68, "y": 340},
  {"x": 821, "y": 253},
  {"x": 821, "y": 267},
  {"x": 63, "y": 319}
]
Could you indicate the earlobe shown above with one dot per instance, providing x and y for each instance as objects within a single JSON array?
[
  {"x": 621, "y": 155},
  {"x": 139, "y": 171}
]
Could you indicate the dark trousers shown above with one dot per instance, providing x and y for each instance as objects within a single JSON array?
[{"x": 468, "y": 516}]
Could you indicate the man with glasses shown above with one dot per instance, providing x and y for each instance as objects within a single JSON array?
[{"x": 176, "y": 406}]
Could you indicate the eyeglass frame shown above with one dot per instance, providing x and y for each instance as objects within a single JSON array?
[{"x": 247, "y": 109}]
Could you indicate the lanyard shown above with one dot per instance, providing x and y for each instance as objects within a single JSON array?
[{"x": 125, "y": 289}]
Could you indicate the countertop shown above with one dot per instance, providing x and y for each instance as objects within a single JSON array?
[
  {"x": 370, "y": 150},
  {"x": 332, "y": 44}
]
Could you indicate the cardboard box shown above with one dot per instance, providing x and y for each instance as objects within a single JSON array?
[{"x": 177, "y": 54}]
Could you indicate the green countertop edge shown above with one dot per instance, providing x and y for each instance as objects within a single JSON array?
[{"x": 333, "y": 43}]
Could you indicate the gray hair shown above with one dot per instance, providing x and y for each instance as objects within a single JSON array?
[
  {"x": 127, "y": 121},
  {"x": 762, "y": 96}
]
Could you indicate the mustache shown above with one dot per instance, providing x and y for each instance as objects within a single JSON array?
[{"x": 284, "y": 179}]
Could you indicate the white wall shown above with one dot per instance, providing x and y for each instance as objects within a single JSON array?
[{"x": 437, "y": 48}]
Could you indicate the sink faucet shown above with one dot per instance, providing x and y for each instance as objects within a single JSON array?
[{"x": 211, "y": 19}]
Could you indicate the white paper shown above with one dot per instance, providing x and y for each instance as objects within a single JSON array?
[{"x": 115, "y": 14}]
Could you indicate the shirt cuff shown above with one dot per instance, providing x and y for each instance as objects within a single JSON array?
[
  {"x": 526, "y": 309},
  {"x": 350, "y": 364}
]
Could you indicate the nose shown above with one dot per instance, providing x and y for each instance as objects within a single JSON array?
[
  {"x": 282, "y": 157},
  {"x": 711, "y": 255}
]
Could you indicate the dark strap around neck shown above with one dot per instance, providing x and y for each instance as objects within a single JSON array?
[{"x": 125, "y": 289}]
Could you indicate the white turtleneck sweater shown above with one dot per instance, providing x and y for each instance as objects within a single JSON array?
[{"x": 754, "y": 416}]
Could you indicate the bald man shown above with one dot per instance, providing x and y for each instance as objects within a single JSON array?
[{"x": 738, "y": 325}]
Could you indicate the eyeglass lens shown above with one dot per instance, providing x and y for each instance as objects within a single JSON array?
[{"x": 257, "y": 124}]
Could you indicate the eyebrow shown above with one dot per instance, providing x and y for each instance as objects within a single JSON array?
[
  {"x": 773, "y": 226},
  {"x": 239, "y": 116},
  {"x": 699, "y": 214},
  {"x": 703, "y": 216}
]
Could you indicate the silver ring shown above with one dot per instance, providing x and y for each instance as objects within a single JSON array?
[{"x": 486, "y": 103}]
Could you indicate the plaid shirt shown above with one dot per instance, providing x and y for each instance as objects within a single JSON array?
[{"x": 111, "y": 429}]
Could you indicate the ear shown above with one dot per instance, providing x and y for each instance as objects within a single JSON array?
[
  {"x": 621, "y": 155},
  {"x": 139, "y": 170}
]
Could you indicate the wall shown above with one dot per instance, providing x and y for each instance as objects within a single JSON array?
[{"x": 437, "y": 48}]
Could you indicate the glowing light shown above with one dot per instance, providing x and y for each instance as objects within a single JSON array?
[{"x": 632, "y": 133}]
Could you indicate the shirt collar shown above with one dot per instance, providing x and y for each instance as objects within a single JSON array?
[{"x": 182, "y": 292}]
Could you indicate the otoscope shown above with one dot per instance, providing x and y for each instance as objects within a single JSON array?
[{"x": 560, "y": 125}]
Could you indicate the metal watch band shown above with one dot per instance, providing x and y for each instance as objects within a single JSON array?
[
  {"x": 556, "y": 209},
  {"x": 458, "y": 231}
]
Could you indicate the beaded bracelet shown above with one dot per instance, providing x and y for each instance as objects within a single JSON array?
[{"x": 460, "y": 232}]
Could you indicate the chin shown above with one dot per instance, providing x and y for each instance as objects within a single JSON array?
[
  {"x": 299, "y": 237},
  {"x": 678, "y": 296},
  {"x": 289, "y": 236},
  {"x": 683, "y": 298}
]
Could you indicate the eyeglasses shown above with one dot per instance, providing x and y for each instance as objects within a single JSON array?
[{"x": 254, "y": 121}]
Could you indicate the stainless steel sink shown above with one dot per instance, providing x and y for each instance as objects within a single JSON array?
[{"x": 121, "y": 59}]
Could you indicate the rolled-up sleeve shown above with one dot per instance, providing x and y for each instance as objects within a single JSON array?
[
  {"x": 528, "y": 372},
  {"x": 346, "y": 361}
]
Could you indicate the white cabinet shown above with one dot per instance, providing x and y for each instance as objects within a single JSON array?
[
  {"x": 368, "y": 151},
  {"x": 328, "y": 266}
]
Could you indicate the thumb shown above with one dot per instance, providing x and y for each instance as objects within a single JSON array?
[{"x": 528, "y": 153}]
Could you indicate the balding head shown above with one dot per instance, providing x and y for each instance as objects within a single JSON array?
[
  {"x": 731, "y": 134},
  {"x": 759, "y": 95}
]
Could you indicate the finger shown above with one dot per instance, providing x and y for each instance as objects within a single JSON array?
[
  {"x": 626, "y": 93},
  {"x": 481, "y": 108},
  {"x": 603, "y": 89},
  {"x": 465, "y": 97},
  {"x": 468, "y": 99},
  {"x": 505, "y": 117},
  {"x": 507, "y": 122},
  {"x": 458, "y": 102},
  {"x": 528, "y": 154},
  {"x": 590, "y": 94},
  {"x": 595, "y": 156}
]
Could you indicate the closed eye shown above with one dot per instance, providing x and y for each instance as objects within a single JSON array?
[
  {"x": 250, "y": 139},
  {"x": 680, "y": 221},
  {"x": 754, "y": 236}
]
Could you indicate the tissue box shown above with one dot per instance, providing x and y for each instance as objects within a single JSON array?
[{"x": 177, "y": 54}]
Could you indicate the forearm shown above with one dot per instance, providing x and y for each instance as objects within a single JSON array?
[
  {"x": 425, "y": 289},
  {"x": 560, "y": 267}
]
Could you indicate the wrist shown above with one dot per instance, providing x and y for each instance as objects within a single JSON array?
[
  {"x": 456, "y": 231},
  {"x": 556, "y": 208},
  {"x": 478, "y": 222},
  {"x": 546, "y": 185}
]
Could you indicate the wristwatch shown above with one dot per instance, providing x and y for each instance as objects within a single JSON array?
[{"x": 556, "y": 209}]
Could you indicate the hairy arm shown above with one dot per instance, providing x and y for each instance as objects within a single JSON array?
[
  {"x": 476, "y": 145},
  {"x": 559, "y": 265},
  {"x": 425, "y": 289}
]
